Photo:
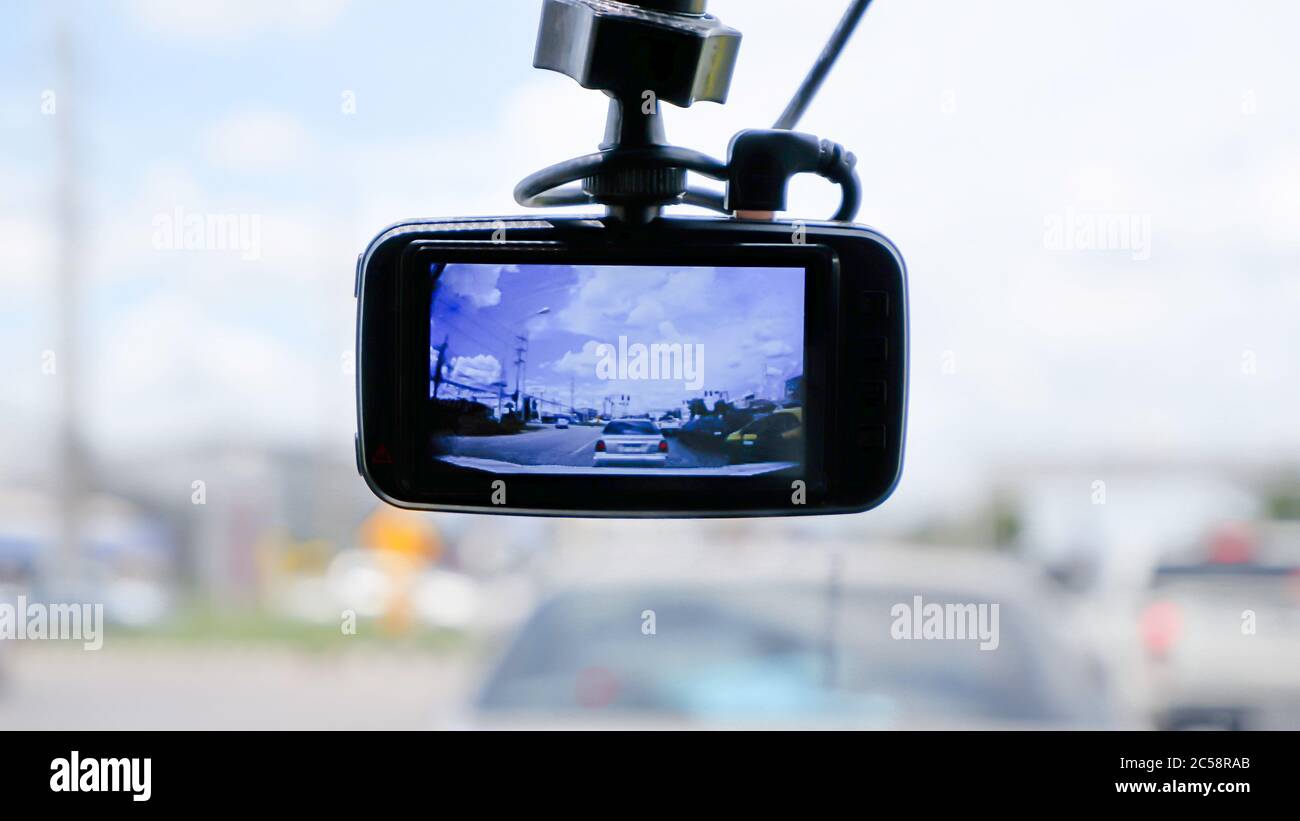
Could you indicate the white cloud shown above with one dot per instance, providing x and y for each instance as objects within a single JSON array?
[
  {"x": 668, "y": 332},
  {"x": 648, "y": 311},
  {"x": 168, "y": 367},
  {"x": 223, "y": 20},
  {"x": 725, "y": 314},
  {"x": 579, "y": 363},
  {"x": 473, "y": 168},
  {"x": 258, "y": 141},
  {"x": 477, "y": 283},
  {"x": 483, "y": 369},
  {"x": 1279, "y": 204},
  {"x": 604, "y": 299},
  {"x": 609, "y": 301},
  {"x": 297, "y": 241},
  {"x": 775, "y": 347},
  {"x": 26, "y": 251}
]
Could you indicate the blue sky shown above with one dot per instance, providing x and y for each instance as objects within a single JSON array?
[
  {"x": 976, "y": 125},
  {"x": 746, "y": 324}
]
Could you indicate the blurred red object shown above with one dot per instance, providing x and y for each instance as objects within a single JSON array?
[
  {"x": 1232, "y": 543},
  {"x": 1161, "y": 626}
]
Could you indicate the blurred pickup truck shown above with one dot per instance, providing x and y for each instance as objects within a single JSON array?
[{"x": 1221, "y": 628}]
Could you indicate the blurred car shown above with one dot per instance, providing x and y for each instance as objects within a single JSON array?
[
  {"x": 669, "y": 425},
  {"x": 775, "y": 437},
  {"x": 1221, "y": 629},
  {"x": 631, "y": 442},
  {"x": 791, "y": 644},
  {"x": 562, "y": 422},
  {"x": 704, "y": 431}
]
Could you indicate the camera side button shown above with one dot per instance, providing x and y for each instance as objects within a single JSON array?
[
  {"x": 871, "y": 437},
  {"x": 875, "y": 349},
  {"x": 874, "y": 393},
  {"x": 875, "y": 304}
]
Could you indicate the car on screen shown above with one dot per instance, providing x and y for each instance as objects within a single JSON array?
[
  {"x": 669, "y": 425},
  {"x": 633, "y": 443},
  {"x": 562, "y": 422},
  {"x": 773, "y": 438},
  {"x": 704, "y": 431}
]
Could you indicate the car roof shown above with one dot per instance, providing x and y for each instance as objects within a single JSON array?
[{"x": 650, "y": 560}]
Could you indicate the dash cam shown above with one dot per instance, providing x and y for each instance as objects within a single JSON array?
[{"x": 636, "y": 364}]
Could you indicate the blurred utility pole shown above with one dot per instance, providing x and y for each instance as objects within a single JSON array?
[
  {"x": 437, "y": 368},
  {"x": 831, "y": 659},
  {"x": 520, "y": 353},
  {"x": 71, "y": 479}
]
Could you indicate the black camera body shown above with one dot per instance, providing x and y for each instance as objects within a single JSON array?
[
  {"x": 634, "y": 364},
  {"x": 441, "y": 431}
]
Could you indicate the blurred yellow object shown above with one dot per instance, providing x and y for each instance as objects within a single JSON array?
[
  {"x": 411, "y": 537},
  {"x": 403, "y": 532}
]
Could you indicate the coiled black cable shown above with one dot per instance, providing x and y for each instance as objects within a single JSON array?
[{"x": 758, "y": 168}]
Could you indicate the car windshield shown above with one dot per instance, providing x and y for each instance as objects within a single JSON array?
[{"x": 631, "y": 427}]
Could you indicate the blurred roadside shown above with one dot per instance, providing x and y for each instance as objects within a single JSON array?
[
  {"x": 288, "y": 598},
  {"x": 1098, "y": 432}
]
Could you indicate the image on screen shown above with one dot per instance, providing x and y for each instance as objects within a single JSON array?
[{"x": 617, "y": 369}]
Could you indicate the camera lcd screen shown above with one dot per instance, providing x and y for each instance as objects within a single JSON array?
[{"x": 606, "y": 370}]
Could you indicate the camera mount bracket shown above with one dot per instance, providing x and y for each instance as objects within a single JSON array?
[{"x": 644, "y": 52}]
